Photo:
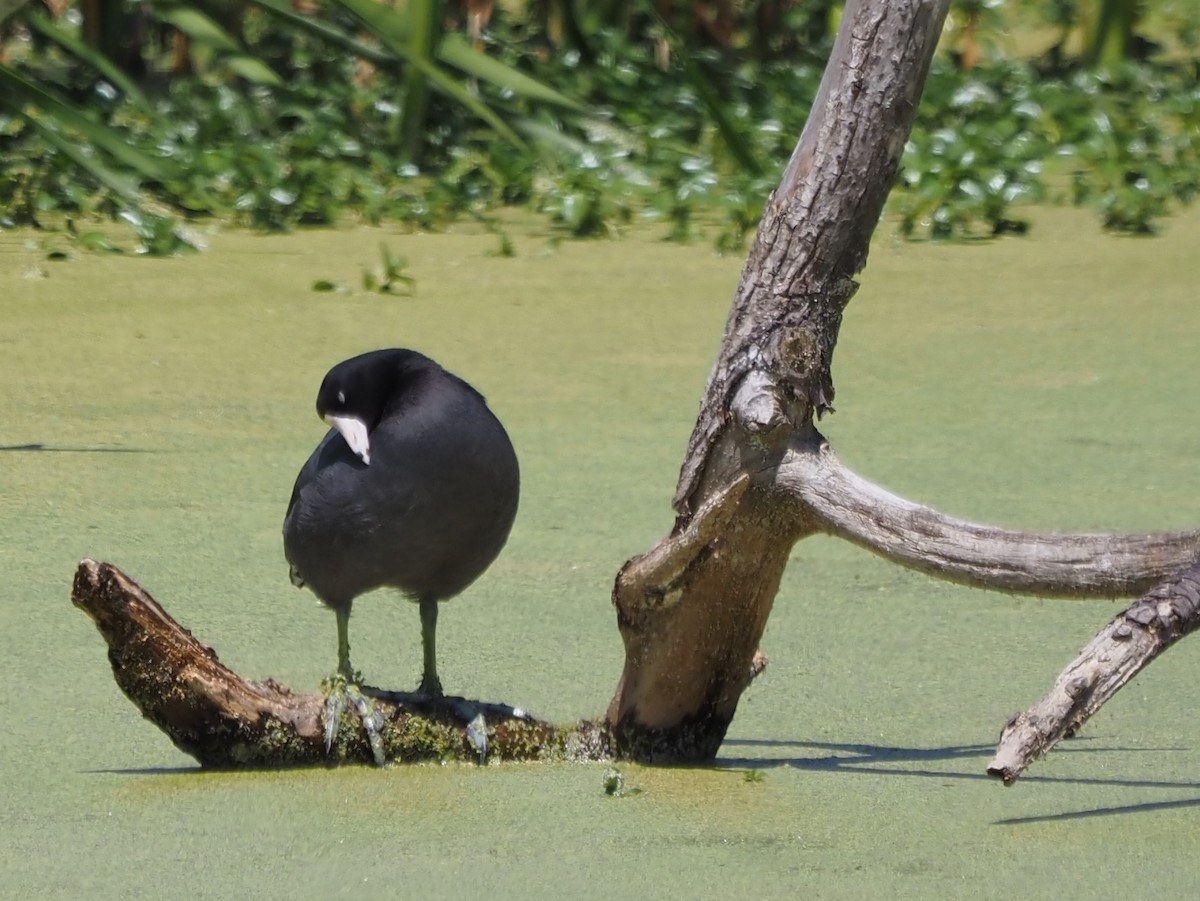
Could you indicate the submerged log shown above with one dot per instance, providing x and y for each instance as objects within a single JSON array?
[{"x": 225, "y": 721}]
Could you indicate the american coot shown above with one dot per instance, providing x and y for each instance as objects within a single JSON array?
[{"x": 415, "y": 487}]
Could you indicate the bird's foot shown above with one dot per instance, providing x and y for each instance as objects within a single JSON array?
[
  {"x": 431, "y": 686},
  {"x": 341, "y": 693}
]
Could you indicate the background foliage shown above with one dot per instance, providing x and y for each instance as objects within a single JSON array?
[{"x": 274, "y": 114}]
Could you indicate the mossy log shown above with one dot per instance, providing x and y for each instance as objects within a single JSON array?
[{"x": 225, "y": 721}]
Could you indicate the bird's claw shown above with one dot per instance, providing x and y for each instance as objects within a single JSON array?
[
  {"x": 339, "y": 692},
  {"x": 331, "y": 715},
  {"x": 431, "y": 686},
  {"x": 477, "y": 735}
]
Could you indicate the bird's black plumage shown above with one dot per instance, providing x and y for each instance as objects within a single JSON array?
[{"x": 429, "y": 512}]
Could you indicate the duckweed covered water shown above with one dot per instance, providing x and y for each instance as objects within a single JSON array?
[{"x": 155, "y": 412}]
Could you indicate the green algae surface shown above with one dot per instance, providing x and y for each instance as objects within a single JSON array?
[{"x": 155, "y": 412}]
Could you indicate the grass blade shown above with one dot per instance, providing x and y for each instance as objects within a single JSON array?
[
  {"x": 422, "y": 36},
  {"x": 9, "y": 8},
  {"x": 282, "y": 11},
  {"x": 198, "y": 27},
  {"x": 731, "y": 135},
  {"x": 252, "y": 69},
  {"x": 124, "y": 187},
  {"x": 46, "y": 27},
  {"x": 392, "y": 30},
  {"x": 113, "y": 142},
  {"x": 456, "y": 51}
]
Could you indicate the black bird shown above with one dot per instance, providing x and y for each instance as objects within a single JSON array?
[{"x": 415, "y": 487}]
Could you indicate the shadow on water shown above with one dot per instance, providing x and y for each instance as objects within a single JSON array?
[
  {"x": 873, "y": 759},
  {"x": 43, "y": 448},
  {"x": 1147, "y": 807}
]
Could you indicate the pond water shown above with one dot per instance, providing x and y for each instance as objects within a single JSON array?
[{"x": 154, "y": 414}]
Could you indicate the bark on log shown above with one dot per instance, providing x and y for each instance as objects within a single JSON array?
[
  {"x": 1119, "y": 652},
  {"x": 224, "y": 721}
]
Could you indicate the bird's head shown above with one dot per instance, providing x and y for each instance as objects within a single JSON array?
[
  {"x": 350, "y": 401},
  {"x": 357, "y": 393}
]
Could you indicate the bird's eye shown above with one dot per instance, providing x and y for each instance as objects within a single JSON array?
[{"x": 341, "y": 397}]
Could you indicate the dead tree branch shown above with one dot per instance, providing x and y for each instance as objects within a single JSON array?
[
  {"x": 1061, "y": 565},
  {"x": 1119, "y": 652},
  {"x": 224, "y": 721},
  {"x": 692, "y": 610}
]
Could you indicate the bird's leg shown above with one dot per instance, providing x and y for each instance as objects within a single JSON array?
[
  {"x": 343, "y": 688},
  {"x": 345, "y": 670},
  {"x": 430, "y": 684}
]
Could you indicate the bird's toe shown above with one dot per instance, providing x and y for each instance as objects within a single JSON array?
[
  {"x": 431, "y": 686},
  {"x": 341, "y": 694}
]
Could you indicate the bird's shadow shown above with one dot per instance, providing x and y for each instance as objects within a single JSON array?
[{"x": 454, "y": 706}]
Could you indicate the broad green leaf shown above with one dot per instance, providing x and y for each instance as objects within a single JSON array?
[
  {"x": 422, "y": 21},
  {"x": 392, "y": 30},
  {"x": 456, "y": 51},
  {"x": 390, "y": 26},
  {"x": 253, "y": 70},
  {"x": 9, "y": 8},
  {"x": 121, "y": 185},
  {"x": 722, "y": 118},
  {"x": 282, "y": 10},
  {"x": 197, "y": 26}
]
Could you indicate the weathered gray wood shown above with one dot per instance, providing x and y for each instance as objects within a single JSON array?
[
  {"x": 817, "y": 225},
  {"x": 1049, "y": 564},
  {"x": 692, "y": 610},
  {"x": 1119, "y": 652}
]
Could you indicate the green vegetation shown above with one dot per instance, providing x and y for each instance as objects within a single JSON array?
[
  {"x": 1124, "y": 140},
  {"x": 614, "y": 784},
  {"x": 391, "y": 276},
  {"x": 591, "y": 114}
]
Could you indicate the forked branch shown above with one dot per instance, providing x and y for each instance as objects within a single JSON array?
[{"x": 834, "y": 498}]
